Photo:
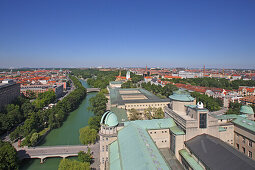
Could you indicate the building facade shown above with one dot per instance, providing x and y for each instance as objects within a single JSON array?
[{"x": 9, "y": 91}]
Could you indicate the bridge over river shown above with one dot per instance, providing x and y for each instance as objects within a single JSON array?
[
  {"x": 93, "y": 90},
  {"x": 56, "y": 151}
]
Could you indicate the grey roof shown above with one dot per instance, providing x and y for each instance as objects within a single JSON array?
[
  {"x": 116, "y": 98},
  {"x": 216, "y": 154},
  {"x": 4, "y": 85}
]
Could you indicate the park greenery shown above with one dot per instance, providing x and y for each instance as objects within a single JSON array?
[
  {"x": 212, "y": 104},
  {"x": 39, "y": 122},
  {"x": 85, "y": 156},
  {"x": 98, "y": 104},
  {"x": 214, "y": 82},
  {"x": 44, "y": 99},
  {"x": 15, "y": 113},
  {"x": 8, "y": 156},
  {"x": 88, "y": 135},
  {"x": 160, "y": 91},
  {"x": 234, "y": 108},
  {"x": 101, "y": 79},
  {"x": 149, "y": 113},
  {"x": 67, "y": 164}
]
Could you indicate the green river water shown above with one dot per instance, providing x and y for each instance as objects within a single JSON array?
[{"x": 67, "y": 134}]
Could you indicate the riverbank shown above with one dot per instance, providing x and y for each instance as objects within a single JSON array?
[{"x": 67, "y": 134}]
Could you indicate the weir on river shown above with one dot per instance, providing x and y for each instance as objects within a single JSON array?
[{"x": 67, "y": 134}]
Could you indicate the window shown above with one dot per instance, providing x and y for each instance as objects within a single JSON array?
[
  {"x": 250, "y": 154},
  {"x": 150, "y": 132},
  {"x": 243, "y": 149},
  {"x": 103, "y": 148},
  {"x": 250, "y": 143},
  {"x": 243, "y": 140},
  {"x": 237, "y": 145},
  {"x": 106, "y": 149},
  {"x": 106, "y": 138},
  {"x": 202, "y": 120},
  {"x": 155, "y": 132}
]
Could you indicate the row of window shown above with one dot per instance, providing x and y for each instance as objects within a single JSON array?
[
  {"x": 105, "y": 139},
  {"x": 161, "y": 131},
  {"x": 244, "y": 151},
  {"x": 105, "y": 160},
  {"x": 244, "y": 140},
  {"x": 145, "y": 105},
  {"x": 106, "y": 148}
]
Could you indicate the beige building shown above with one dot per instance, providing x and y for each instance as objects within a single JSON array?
[
  {"x": 135, "y": 98},
  {"x": 193, "y": 119},
  {"x": 9, "y": 91},
  {"x": 121, "y": 143},
  {"x": 244, "y": 136}
]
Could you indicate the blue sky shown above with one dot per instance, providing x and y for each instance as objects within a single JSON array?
[{"x": 164, "y": 33}]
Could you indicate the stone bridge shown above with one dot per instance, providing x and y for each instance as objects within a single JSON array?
[
  {"x": 43, "y": 152},
  {"x": 93, "y": 90}
]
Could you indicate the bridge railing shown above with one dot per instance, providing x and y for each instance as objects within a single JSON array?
[{"x": 57, "y": 146}]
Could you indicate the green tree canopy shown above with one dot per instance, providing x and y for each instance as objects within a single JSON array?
[
  {"x": 8, "y": 156},
  {"x": 98, "y": 104},
  {"x": 88, "y": 135},
  {"x": 66, "y": 164}
]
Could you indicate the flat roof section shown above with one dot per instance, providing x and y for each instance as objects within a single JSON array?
[
  {"x": 216, "y": 154},
  {"x": 134, "y": 95}
]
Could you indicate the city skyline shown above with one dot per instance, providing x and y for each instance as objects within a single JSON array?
[{"x": 127, "y": 34}]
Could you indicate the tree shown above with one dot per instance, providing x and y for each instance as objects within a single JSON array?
[
  {"x": 66, "y": 164},
  {"x": 8, "y": 156},
  {"x": 88, "y": 135},
  {"x": 94, "y": 122},
  {"x": 158, "y": 114},
  {"x": 98, "y": 104},
  {"x": 234, "y": 108},
  {"x": 34, "y": 138},
  {"x": 134, "y": 115},
  {"x": 85, "y": 156}
]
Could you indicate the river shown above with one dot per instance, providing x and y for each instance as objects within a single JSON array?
[{"x": 67, "y": 134}]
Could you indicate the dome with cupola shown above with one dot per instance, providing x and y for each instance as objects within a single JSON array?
[
  {"x": 109, "y": 119},
  {"x": 246, "y": 110},
  {"x": 181, "y": 95}
]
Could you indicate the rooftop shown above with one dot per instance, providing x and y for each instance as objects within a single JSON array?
[
  {"x": 245, "y": 123},
  {"x": 190, "y": 160},
  {"x": 153, "y": 124},
  {"x": 120, "y": 113},
  {"x": 140, "y": 153},
  {"x": 246, "y": 110},
  {"x": 135, "y": 95},
  {"x": 109, "y": 119},
  {"x": 181, "y": 95},
  {"x": 216, "y": 154}
]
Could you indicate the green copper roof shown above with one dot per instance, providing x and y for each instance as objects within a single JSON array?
[
  {"x": 182, "y": 97},
  {"x": 120, "y": 113},
  {"x": 246, "y": 110},
  {"x": 109, "y": 119},
  {"x": 116, "y": 82},
  {"x": 245, "y": 123},
  {"x": 226, "y": 116},
  {"x": 153, "y": 124},
  {"x": 134, "y": 149},
  {"x": 177, "y": 131},
  {"x": 195, "y": 107},
  {"x": 114, "y": 156},
  {"x": 221, "y": 129},
  {"x": 190, "y": 160}
]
